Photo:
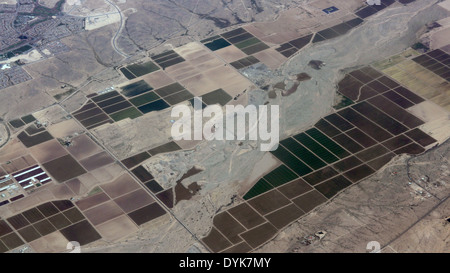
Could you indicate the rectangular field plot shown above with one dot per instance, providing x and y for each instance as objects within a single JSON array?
[
  {"x": 132, "y": 161},
  {"x": 142, "y": 174},
  {"x": 102, "y": 97},
  {"x": 217, "y": 44},
  {"x": 412, "y": 149},
  {"x": 291, "y": 161},
  {"x": 268, "y": 202},
  {"x": 347, "y": 164},
  {"x": 131, "y": 113},
  {"x": 295, "y": 188},
  {"x": 255, "y": 48},
  {"x": 339, "y": 122},
  {"x": 153, "y": 186},
  {"x": 361, "y": 137},
  {"x": 348, "y": 143},
  {"x": 259, "y": 235},
  {"x": 380, "y": 118},
  {"x": 395, "y": 111},
  {"x": 260, "y": 187},
  {"x": 331, "y": 187},
  {"x": 81, "y": 232},
  {"x": 216, "y": 241},
  {"x": 169, "y": 89},
  {"x": 284, "y": 216},
  {"x": 377, "y": 163},
  {"x": 327, "y": 128},
  {"x": 359, "y": 173},
  {"x": 309, "y": 201},
  {"x": 168, "y": 59},
  {"x": 421, "y": 137},
  {"x": 304, "y": 154},
  {"x": 397, "y": 99},
  {"x": 154, "y": 106},
  {"x": 145, "y": 98},
  {"x": 179, "y": 97},
  {"x": 246, "y": 215},
  {"x": 138, "y": 70},
  {"x": 116, "y": 107},
  {"x": 134, "y": 200},
  {"x": 165, "y": 148},
  {"x": 64, "y": 168},
  {"x": 320, "y": 175},
  {"x": 135, "y": 89},
  {"x": 120, "y": 186},
  {"x": 372, "y": 152},
  {"x": 146, "y": 214},
  {"x": 217, "y": 96},
  {"x": 244, "y": 62},
  {"x": 111, "y": 101},
  {"x": 364, "y": 124},
  {"x": 316, "y": 148},
  {"x": 228, "y": 226},
  {"x": 30, "y": 141}
]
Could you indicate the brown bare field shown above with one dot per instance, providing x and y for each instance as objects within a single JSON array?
[
  {"x": 122, "y": 185},
  {"x": 61, "y": 191},
  {"x": 76, "y": 186},
  {"x": 103, "y": 213},
  {"x": 19, "y": 163},
  {"x": 134, "y": 200},
  {"x": 96, "y": 161},
  {"x": 92, "y": 201},
  {"x": 83, "y": 146},
  {"x": 47, "y": 151},
  {"x": 117, "y": 228}
]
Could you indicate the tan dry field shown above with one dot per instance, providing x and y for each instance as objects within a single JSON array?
[
  {"x": 271, "y": 58},
  {"x": 51, "y": 243},
  {"x": 61, "y": 191},
  {"x": 19, "y": 163},
  {"x": 65, "y": 128},
  {"x": 421, "y": 81},
  {"x": 76, "y": 187},
  {"x": 230, "y": 54},
  {"x": 107, "y": 173},
  {"x": 13, "y": 149},
  {"x": 157, "y": 79},
  {"x": 51, "y": 115},
  {"x": 117, "y": 228},
  {"x": 47, "y": 151}
]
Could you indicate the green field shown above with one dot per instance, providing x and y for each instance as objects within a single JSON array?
[{"x": 127, "y": 113}]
